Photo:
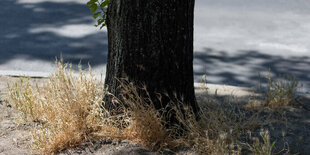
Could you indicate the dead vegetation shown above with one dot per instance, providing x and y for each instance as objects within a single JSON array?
[
  {"x": 282, "y": 92},
  {"x": 68, "y": 110}
]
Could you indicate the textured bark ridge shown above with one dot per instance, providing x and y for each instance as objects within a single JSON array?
[{"x": 151, "y": 42}]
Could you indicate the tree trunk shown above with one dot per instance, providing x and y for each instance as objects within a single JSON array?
[{"x": 151, "y": 43}]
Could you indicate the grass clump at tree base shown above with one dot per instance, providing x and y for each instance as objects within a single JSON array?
[{"x": 69, "y": 111}]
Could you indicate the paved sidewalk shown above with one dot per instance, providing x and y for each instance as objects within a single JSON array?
[{"x": 234, "y": 39}]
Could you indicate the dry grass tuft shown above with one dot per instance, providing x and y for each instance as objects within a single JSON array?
[
  {"x": 279, "y": 94},
  {"x": 146, "y": 125},
  {"x": 220, "y": 129},
  {"x": 69, "y": 111},
  {"x": 67, "y": 106},
  {"x": 265, "y": 147},
  {"x": 282, "y": 92}
]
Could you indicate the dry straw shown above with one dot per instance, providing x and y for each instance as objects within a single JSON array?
[{"x": 68, "y": 110}]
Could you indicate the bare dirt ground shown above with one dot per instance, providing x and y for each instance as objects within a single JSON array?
[{"x": 291, "y": 133}]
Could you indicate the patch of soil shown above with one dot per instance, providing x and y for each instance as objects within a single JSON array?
[{"x": 14, "y": 137}]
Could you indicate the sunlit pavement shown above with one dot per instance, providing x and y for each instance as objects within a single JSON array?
[{"x": 235, "y": 40}]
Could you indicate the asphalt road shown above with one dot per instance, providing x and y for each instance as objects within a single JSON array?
[{"x": 235, "y": 40}]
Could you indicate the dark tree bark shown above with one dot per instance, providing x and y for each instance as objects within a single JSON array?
[{"x": 151, "y": 43}]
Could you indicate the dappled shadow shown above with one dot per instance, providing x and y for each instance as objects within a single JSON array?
[
  {"x": 33, "y": 34},
  {"x": 242, "y": 68},
  {"x": 47, "y": 29}
]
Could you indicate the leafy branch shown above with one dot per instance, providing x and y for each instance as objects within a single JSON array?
[{"x": 99, "y": 9}]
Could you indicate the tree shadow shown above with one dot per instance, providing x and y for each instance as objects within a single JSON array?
[
  {"x": 242, "y": 68},
  {"x": 46, "y": 30}
]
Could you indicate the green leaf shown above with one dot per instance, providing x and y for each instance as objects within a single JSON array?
[
  {"x": 103, "y": 25},
  {"x": 99, "y": 22},
  {"x": 104, "y": 4},
  {"x": 96, "y": 15},
  {"x": 93, "y": 8},
  {"x": 91, "y": 2}
]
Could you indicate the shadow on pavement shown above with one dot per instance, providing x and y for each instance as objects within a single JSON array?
[
  {"x": 47, "y": 30},
  {"x": 243, "y": 68}
]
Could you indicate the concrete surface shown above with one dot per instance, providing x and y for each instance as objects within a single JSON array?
[{"x": 235, "y": 40}]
